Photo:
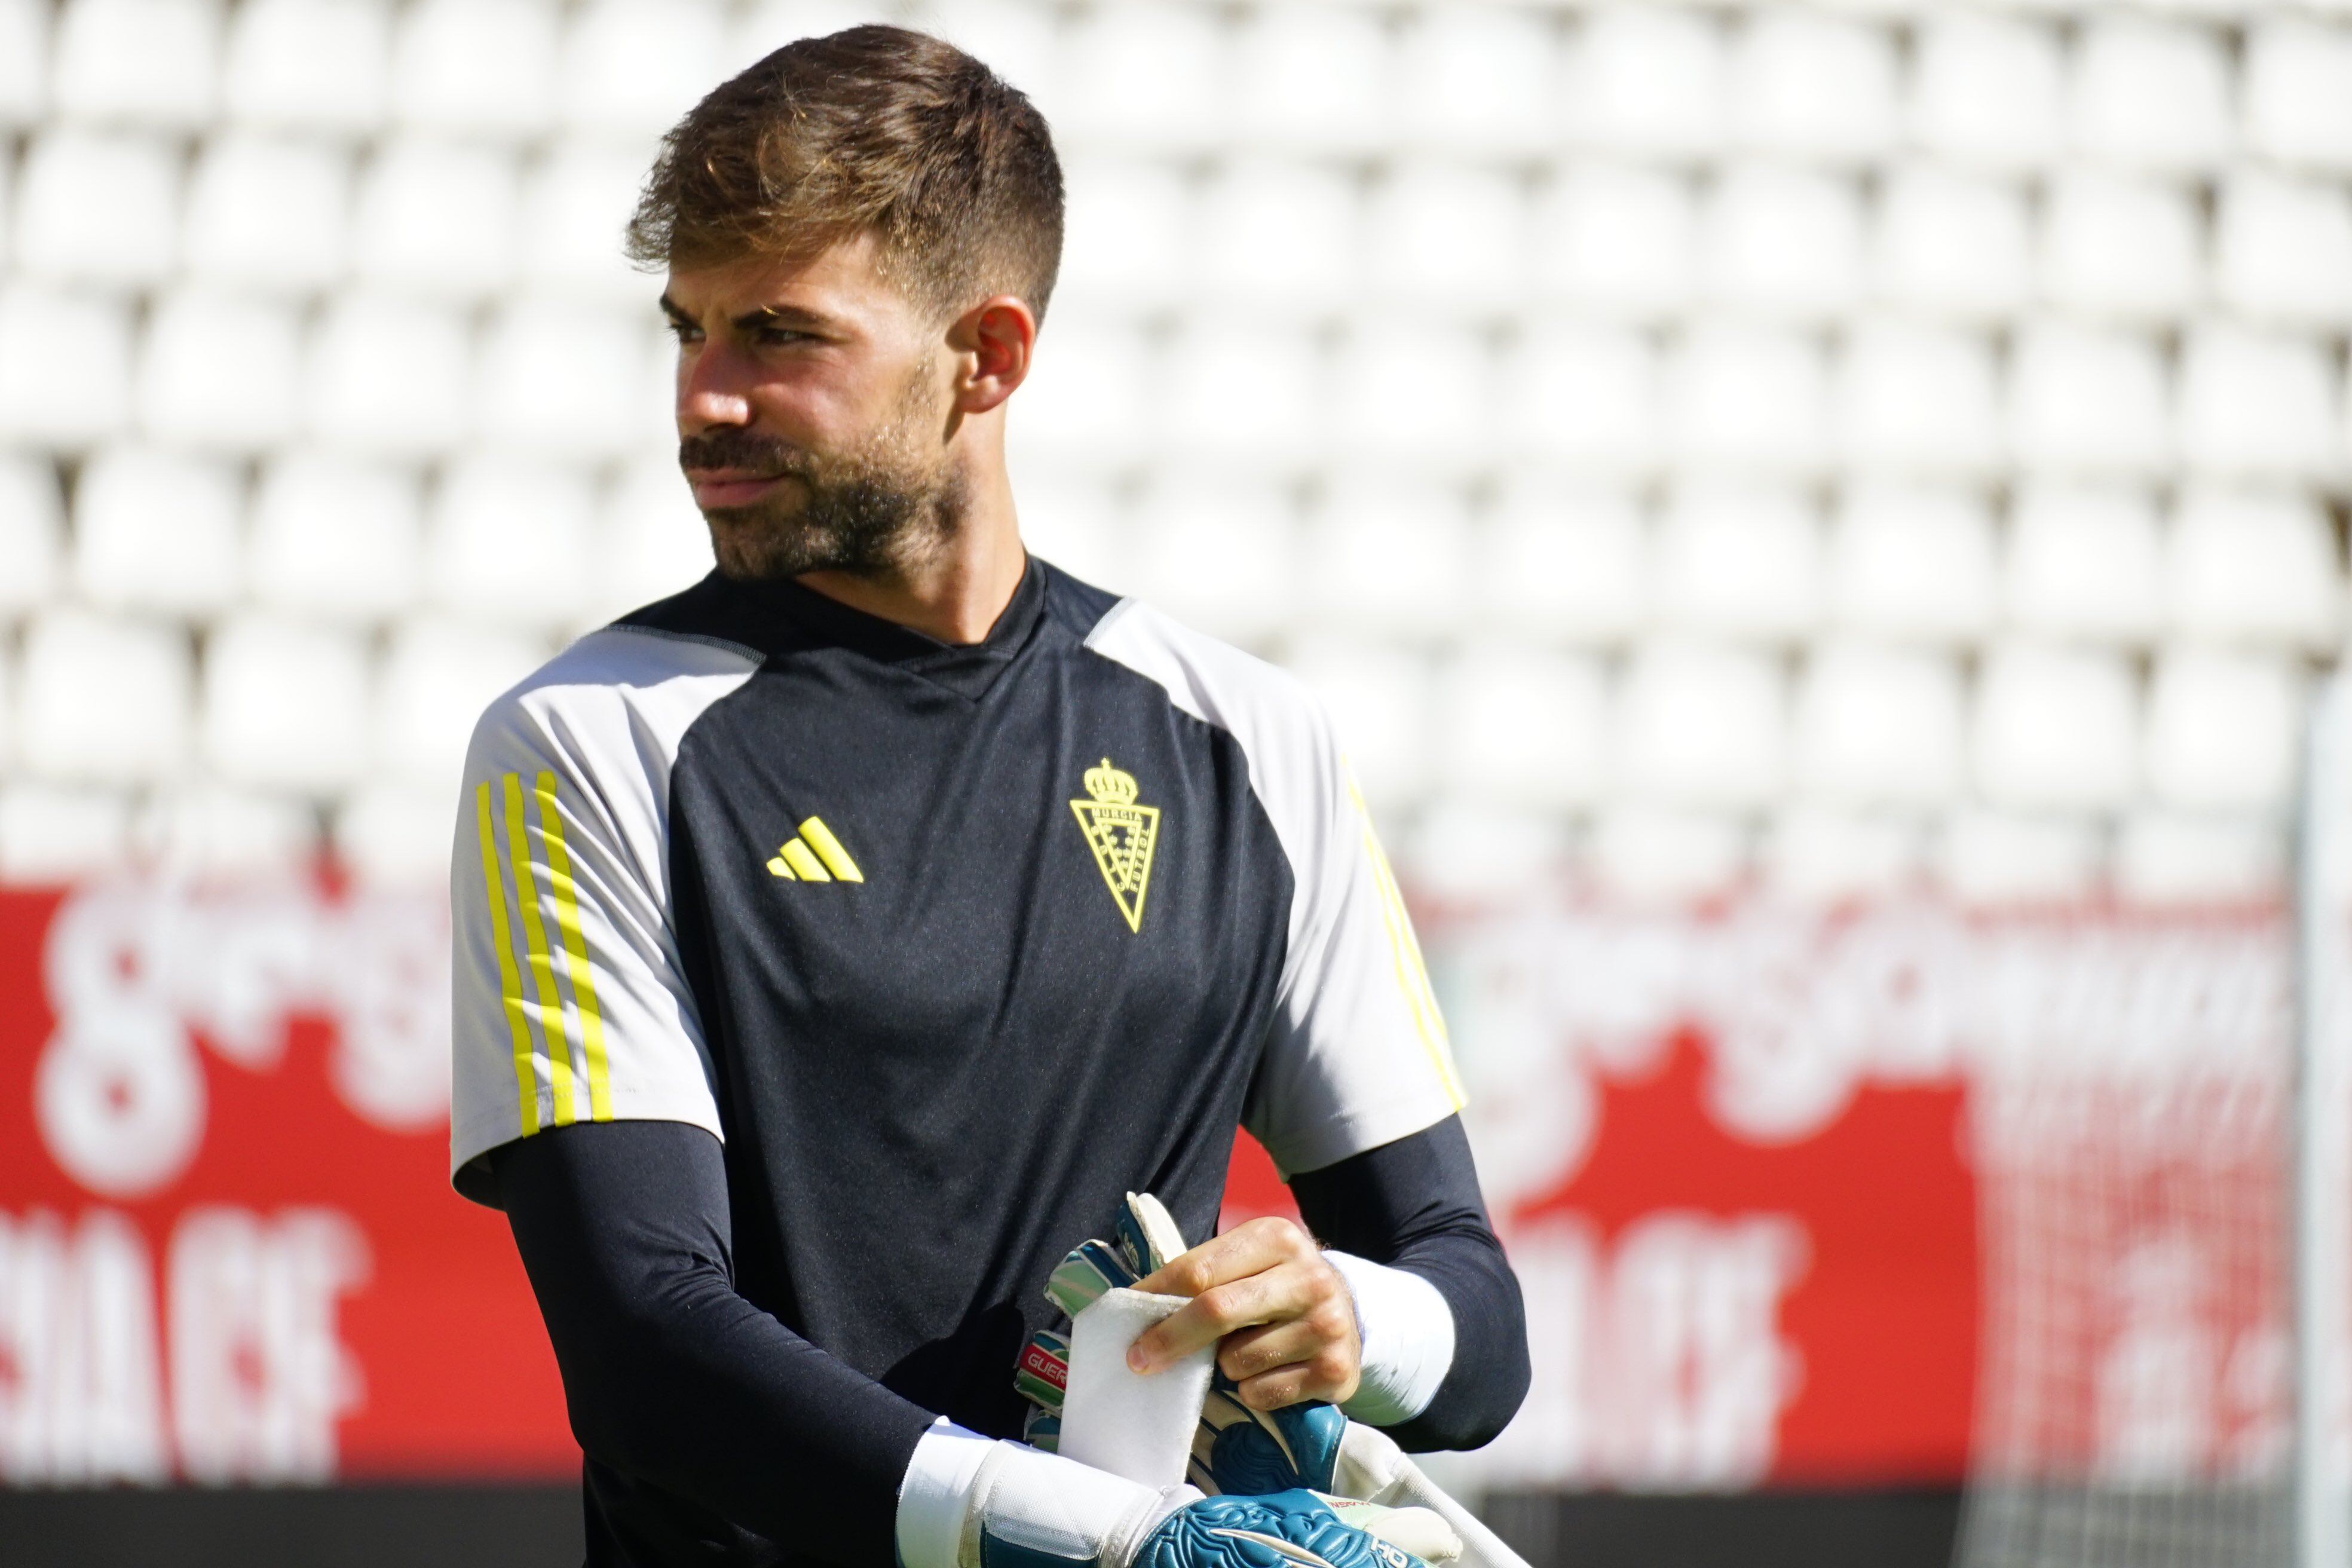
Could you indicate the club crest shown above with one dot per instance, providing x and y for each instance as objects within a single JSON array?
[{"x": 1121, "y": 834}]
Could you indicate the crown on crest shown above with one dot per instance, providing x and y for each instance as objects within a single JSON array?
[{"x": 1110, "y": 785}]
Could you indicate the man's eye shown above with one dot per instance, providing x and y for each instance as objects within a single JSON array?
[
  {"x": 685, "y": 333},
  {"x": 782, "y": 335}
]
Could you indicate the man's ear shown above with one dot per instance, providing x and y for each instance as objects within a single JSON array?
[{"x": 994, "y": 340}]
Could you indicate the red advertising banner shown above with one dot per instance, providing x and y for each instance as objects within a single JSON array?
[{"x": 1741, "y": 1157}]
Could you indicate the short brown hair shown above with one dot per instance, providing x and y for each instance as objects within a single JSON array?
[{"x": 874, "y": 128}]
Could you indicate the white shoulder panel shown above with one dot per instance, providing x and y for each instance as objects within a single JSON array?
[
  {"x": 1359, "y": 1057},
  {"x": 570, "y": 1005}
]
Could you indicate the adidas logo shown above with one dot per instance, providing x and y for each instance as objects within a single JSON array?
[{"x": 816, "y": 856}]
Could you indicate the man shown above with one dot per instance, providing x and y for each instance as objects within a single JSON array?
[{"x": 838, "y": 941}]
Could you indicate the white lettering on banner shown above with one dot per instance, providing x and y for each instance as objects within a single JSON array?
[
  {"x": 138, "y": 972},
  {"x": 1659, "y": 1363},
  {"x": 260, "y": 1375},
  {"x": 1796, "y": 1009},
  {"x": 80, "y": 1397}
]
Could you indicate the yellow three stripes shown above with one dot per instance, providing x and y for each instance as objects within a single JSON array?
[
  {"x": 544, "y": 1007},
  {"x": 1412, "y": 973}
]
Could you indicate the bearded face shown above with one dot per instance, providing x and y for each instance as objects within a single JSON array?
[{"x": 867, "y": 510}]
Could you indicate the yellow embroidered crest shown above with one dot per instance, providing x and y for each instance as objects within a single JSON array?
[{"x": 1121, "y": 834}]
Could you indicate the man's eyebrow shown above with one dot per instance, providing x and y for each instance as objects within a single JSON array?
[
  {"x": 676, "y": 312},
  {"x": 777, "y": 315}
]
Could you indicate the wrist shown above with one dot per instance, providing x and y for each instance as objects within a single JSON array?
[
  {"x": 967, "y": 1500},
  {"x": 1406, "y": 1331}
]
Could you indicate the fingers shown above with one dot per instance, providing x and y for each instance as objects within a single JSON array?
[
  {"x": 1245, "y": 1250},
  {"x": 1328, "y": 1374},
  {"x": 1316, "y": 1356},
  {"x": 1285, "y": 1291}
]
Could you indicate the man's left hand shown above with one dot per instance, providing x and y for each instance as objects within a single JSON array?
[{"x": 1281, "y": 1317}]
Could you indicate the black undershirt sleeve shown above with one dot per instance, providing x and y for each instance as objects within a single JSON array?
[
  {"x": 672, "y": 1377},
  {"x": 1414, "y": 1204}
]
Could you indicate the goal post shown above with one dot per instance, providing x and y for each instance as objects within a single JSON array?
[{"x": 2321, "y": 1196}]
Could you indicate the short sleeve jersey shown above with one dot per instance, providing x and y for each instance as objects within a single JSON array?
[{"x": 950, "y": 946}]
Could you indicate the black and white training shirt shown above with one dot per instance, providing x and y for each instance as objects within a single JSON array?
[{"x": 950, "y": 946}]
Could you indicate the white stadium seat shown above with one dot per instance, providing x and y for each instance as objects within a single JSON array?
[
  {"x": 284, "y": 703},
  {"x": 1739, "y": 562},
  {"x": 65, "y": 364},
  {"x": 1649, "y": 80},
  {"x": 1130, "y": 233},
  {"x": 2082, "y": 400},
  {"x": 157, "y": 531},
  {"x": 1230, "y": 387},
  {"x": 568, "y": 379},
  {"x": 476, "y": 65},
  {"x": 1485, "y": 79},
  {"x": 1282, "y": 233},
  {"x": 1563, "y": 564},
  {"x": 269, "y": 212},
  {"x": 138, "y": 62},
  {"x": 128, "y": 239},
  {"x": 2192, "y": 859},
  {"x": 437, "y": 678},
  {"x": 1952, "y": 242},
  {"x": 1309, "y": 77},
  {"x": 1783, "y": 241},
  {"x": 2293, "y": 87},
  {"x": 2286, "y": 248},
  {"x": 2055, "y": 729},
  {"x": 2085, "y": 563},
  {"x": 2152, "y": 93},
  {"x": 1582, "y": 393},
  {"x": 1660, "y": 856},
  {"x": 334, "y": 537},
  {"x": 631, "y": 68},
  {"x": 1996, "y": 858},
  {"x": 651, "y": 539},
  {"x": 1815, "y": 86},
  {"x": 1825, "y": 855},
  {"x": 1449, "y": 237},
  {"x": 1917, "y": 398},
  {"x": 2122, "y": 247},
  {"x": 1877, "y": 726},
  {"x": 1219, "y": 552},
  {"x": 1413, "y": 391},
  {"x": 2255, "y": 566},
  {"x": 575, "y": 203},
  {"x": 437, "y": 217},
  {"x": 1522, "y": 725},
  {"x": 1079, "y": 523},
  {"x": 1618, "y": 238},
  {"x": 1986, "y": 88},
  {"x": 1380, "y": 698},
  {"x": 32, "y": 533},
  {"x": 101, "y": 700},
  {"x": 1086, "y": 392},
  {"x": 1389, "y": 556},
  {"x": 1147, "y": 72},
  {"x": 309, "y": 65},
  {"x": 24, "y": 60},
  {"x": 397, "y": 835},
  {"x": 1701, "y": 725},
  {"x": 1473, "y": 852},
  {"x": 388, "y": 375},
  {"x": 1748, "y": 397},
  {"x": 2224, "y": 730},
  {"x": 52, "y": 834},
  {"x": 214, "y": 832},
  {"x": 511, "y": 540},
  {"x": 2258, "y": 402},
  {"x": 1911, "y": 562},
  {"x": 218, "y": 371}
]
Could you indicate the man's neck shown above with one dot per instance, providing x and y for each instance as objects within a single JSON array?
[{"x": 959, "y": 587}]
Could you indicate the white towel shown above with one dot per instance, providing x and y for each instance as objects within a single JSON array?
[{"x": 1132, "y": 1425}]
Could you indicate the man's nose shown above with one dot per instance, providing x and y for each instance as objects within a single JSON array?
[{"x": 709, "y": 393}]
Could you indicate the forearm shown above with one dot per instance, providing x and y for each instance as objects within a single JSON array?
[
  {"x": 671, "y": 1375},
  {"x": 1414, "y": 1206}
]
